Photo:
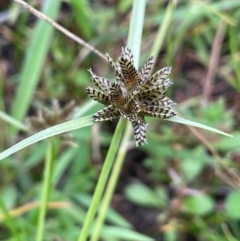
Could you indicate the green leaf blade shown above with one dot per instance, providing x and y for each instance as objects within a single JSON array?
[
  {"x": 195, "y": 124},
  {"x": 52, "y": 131},
  {"x": 34, "y": 60}
]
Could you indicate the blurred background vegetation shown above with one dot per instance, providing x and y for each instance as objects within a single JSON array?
[{"x": 184, "y": 185}]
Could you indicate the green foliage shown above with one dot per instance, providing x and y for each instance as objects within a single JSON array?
[
  {"x": 144, "y": 196},
  {"x": 36, "y": 53},
  {"x": 198, "y": 205},
  {"x": 175, "y": 187},
  {"x": 232, "y": 205}
]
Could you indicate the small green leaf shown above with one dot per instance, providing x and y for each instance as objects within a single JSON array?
[
  {"x": 191, "y": 168},
  {"x": 198, "y": 205},
  {"x": 232, "y": 205},
  {"x": 142, "y": 195},
  {"x": 9, "y": 196}
]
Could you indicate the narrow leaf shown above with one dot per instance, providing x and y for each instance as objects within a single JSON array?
[
  {"x": 192, "y": 123},
  {"x": 34, "y": 60},
  {"x": 124, "y": 234},
  {"x": 12, "y": 121},
  {"x": 52, "y": 131}
]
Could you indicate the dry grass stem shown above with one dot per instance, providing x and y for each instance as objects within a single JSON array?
[
  {"x": 59, "y": 27},
  {"x": 213, "y": 62}
]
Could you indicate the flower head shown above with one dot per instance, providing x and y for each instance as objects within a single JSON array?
[
  {"x": 134, "y": 95},
  {"x": 50, "y": 117}
]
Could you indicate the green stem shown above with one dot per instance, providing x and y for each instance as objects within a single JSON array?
[
  {"x": 112, "y": 183},
  {"x": 162, "y": 31},
  {"x": 47, "y": 183},
  {"x": 9, "y": 222},
  {"x": 136, "y": 28},
  {"x": 102, "y": 180},
  {"x": 134, "y": 42}
]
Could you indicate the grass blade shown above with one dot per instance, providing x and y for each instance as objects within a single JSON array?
[
  {"x": 195, "y": 124},
  {"x": 163, "y": 29},
  {"x": 47, "y": 184},
  {"x": 52, "y": 131},
  {"x": 9, "y": 119},
  {"x": 33, "y": 64}
]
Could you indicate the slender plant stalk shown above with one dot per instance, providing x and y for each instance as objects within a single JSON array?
[
  {"x": 162, "y": 31},
  {"x": 112, "y": 183},
  {"x": 47, "y": 183},
  {"x": 59, "y": 27},
  {"x": 134, "y": 42},
  {"x": 12, "y": 121},
  {"x": 102, "y": 180},
  {"x": 135, "y": 29},
  {"x": 9, "y": 221}
]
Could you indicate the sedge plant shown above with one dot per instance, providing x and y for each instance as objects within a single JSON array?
[{"x": 118, "y": 146}]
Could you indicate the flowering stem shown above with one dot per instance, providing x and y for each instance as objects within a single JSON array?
[
  {"x": 162, "y": 31},
  {"x": 135, "y": 29},
  {"x": 112, "y": 183},
  {"x": 102, "y": 180},
  {"x": 47, "y": 183},
  {"x": 134, "y": 42}
]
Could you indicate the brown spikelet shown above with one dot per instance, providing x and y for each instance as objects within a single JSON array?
[
  {"x": 107, "y": 113},
  {"x": 159, "y": 112},
  {"x": 36, "y": 124},
  {"x": 102, "y": 83},
  {"x": 115, "y": 66},
  {"x": 159, "y": 101},
  {"x": 67, "y": 110},
  {"x": 50, "y": 117},
  {"x": 139, "y": 132},
  {"x": 147, "y": 69},
  {"x": 160, "y": 78},
  {"x": 98, "y": 95},
  {"x": 131, "y": 77}
]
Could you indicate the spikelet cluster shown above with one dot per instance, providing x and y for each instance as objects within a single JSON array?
[
  {"x": 50, "y": 117},
  {"x": 134, "y": 95}
]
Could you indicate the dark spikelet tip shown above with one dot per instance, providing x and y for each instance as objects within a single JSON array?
[
  {"x": 174, "y": 113},
  {"x": 95, "y": 118},
  {"x": 91, "y": 73},
  {"x": 139, "y": 143},
  {"x": 151, "y": 58},
  {"x": 128, "y": 49}
]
